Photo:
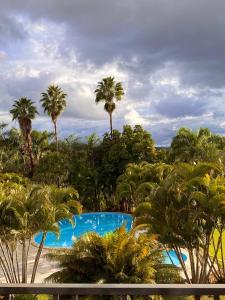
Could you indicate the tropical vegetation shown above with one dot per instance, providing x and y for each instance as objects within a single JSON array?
[
  {"x": 26, "y": 209},
  {"x": 176, "y": 194},
  {"x": 118, "y": 257}
]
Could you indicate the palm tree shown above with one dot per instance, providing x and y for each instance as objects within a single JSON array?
[
  {"x": 26, "y": 210},
  {"x": 118, "y": 257},
  {"x": 136, "y": 183},
  {"x": 41, "y": 143},
  {"x": 62, "y": 204},
  {"x": 108, "y": 91},
  {"x": 191, "y": 203},
  {"x": 194, "y": 146},
  {"x": 24, "y": 111},
  {"x": 54, "y": 102}
]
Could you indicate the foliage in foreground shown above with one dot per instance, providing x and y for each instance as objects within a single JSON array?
[
  {"x": 26, "y": 209},
  {"x": 193, "y": 202},
  {"x": 118, "y": 257}
]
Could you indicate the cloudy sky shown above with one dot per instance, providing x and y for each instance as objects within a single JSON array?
[{"x": 169, "y": 55}]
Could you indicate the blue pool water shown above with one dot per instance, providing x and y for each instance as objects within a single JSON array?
[
  {"x": 101, "y": 223},
  {"x": 174, "y": 258}
]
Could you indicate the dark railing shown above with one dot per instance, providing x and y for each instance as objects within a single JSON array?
[{"x": 114, "y": 289}]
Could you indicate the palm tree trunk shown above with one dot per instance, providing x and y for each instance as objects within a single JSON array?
[
  {"x": 56, "y": 135},
  {"x": 27, "y": 253},
  {"x": 57, "y": 146},
  {"x": 24, "y": 279},
  {"x": 17, "y": 266},
  {"x": 5, "y": 271},
  {"x": 111, "y": 129},
  {"x": 37, "y": 258},
  {"x": 29, "y": 148},
  {"x": 26, "y": 128},
  {"x": 6, "y": 262}
]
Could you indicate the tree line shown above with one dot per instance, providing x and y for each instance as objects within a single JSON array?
[
  {"x": 94, "y": 165},
  {"x": 54, "y": 102}
]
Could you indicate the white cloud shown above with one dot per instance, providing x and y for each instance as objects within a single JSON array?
[{"x": 132, "y": 117}]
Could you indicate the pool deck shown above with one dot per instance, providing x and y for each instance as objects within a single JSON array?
[{"x": 45, "y": 267}]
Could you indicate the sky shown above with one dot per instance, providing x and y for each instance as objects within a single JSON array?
[{"x": 168, "y": 54}]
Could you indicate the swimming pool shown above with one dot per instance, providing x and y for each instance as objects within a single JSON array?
[
  {"x": 101, "y": 223},
  {"x": 98, "y": 222},
  {"x": 172, "y": 256}
]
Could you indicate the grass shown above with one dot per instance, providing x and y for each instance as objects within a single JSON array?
[{"x": 211, "y": 248}]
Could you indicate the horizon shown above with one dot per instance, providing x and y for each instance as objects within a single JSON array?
[{"x": 169, "y": 58}]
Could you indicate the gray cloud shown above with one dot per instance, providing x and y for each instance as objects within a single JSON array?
[
  {"x": 175, "y": 106},
  {"x": 10, "y": 29},
  {"x": 146, "y": 42}
]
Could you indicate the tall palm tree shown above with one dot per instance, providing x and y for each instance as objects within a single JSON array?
[
  {"x": 109, "y": 91},
  {"x": 54, "y": 102},
  {"x": 25, "y": 111}
]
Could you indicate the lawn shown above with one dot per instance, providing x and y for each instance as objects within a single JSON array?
[{"x": 211, "y": 249}]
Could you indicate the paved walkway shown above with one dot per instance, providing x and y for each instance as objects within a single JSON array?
[{"x": 45, "y": 267}]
